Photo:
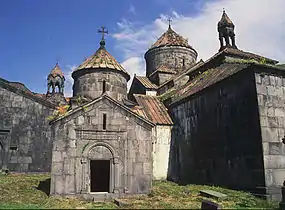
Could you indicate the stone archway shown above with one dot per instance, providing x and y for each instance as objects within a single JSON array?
[{"x": 101, "y": 169}]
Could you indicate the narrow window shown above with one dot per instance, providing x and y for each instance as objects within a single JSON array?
[
  {"x": 13, "y": 147},
  {"x": 104, "y": 121},
  {"x": 183, "y": 62},
  {"x": 104, "y": 86}
]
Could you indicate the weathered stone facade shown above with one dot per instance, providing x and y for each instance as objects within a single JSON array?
[
  {"x": 126, "y": 142},
  {"x": 176, "y": 57},
  {"x": 90, "y": 84},
  {"x": 25, "y": 135},
  {"x": 270, "y": 88}
]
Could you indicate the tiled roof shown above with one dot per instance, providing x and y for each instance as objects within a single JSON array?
[
  {"x": 153, "y": 108},
  {"x": 101, "y": 59},
  {"x": 245, "y": 55},
  {"x": 56, "y": 71},
  {"x": 206, "y": 79},
  {"x": 225, "y": 20},
  {"x": 171, "y": 38},
  {"x": 146, "y": 82},
  {"x": 163, "y": 69}
]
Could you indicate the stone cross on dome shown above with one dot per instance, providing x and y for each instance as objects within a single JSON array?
[
  {"x": 103, "y": 32},
  {"x": 169, "y": 22}
]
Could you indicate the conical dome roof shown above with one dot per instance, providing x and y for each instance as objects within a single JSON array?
[
  {"x": 171, "y": 38},
  {"x": 56, "y": 71},
  {"x": 101, "y": 59},
  {"x": 225, "y": 20}
]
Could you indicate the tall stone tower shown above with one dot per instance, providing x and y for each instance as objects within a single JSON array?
[
  {"x": 100, "y": 73},
  {"x": 169, "y": 55}
]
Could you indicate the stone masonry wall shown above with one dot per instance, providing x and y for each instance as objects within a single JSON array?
[
  {"x": 128, "y": 139},
  {"x": 216, "y": 137},
  {"x": 161, "y": 151},
  {"x": 271, "y": 101},
  {"x": 172, "y": 56},
  {"x": 28, "y": 144},
  {"x": 91, "y": 85}
]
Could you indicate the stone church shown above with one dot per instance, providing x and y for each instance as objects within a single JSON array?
[{"x": 216, "y": 122}]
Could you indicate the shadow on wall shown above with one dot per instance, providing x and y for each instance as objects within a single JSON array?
[{"x": 44, "y": 186}]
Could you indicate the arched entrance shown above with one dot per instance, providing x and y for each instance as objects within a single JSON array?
[{"x": 101, "y": 169}]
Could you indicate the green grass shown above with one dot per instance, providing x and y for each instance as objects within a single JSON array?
[{"x": 19, "y": 191}]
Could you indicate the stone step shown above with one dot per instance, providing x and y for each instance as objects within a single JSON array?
[{"x": 212, "y": 194}]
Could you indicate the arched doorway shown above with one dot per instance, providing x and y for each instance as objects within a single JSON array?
[{"x": 101, "y": 169}]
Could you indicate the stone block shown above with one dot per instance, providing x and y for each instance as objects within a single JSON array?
[
  {"x": 209, "y": 205},
  {"x": 147, "y": 168},
  {"x": 264, "y": 121},
  {"x": 137, "y": 168},
  {"x": 269, "y": 134},
  {"x": 272, "y": 122},
  {"x": 57, "y": 156},
  {"x": 270, "y": 111},
  {"x": 80, "y": 120},
  {"x": 59, "y": 182},
  {"x": 25, "y": 160},
  {"x": 278, "y": 112},
  {"x": 268, "y": 177},
  {"x": 272, "y": 81},
  {"x": 69, "y": 186},
  {"x": 57, "y": 168},
  {"x": 274, "y": 161},
  {"x": 212, "y": 194},
  {"x": 275, "y": 148},
  {"x": 71, "y": 133},
  {"x": 278, "y": 176},
  {"x": 69, "y": 166}
]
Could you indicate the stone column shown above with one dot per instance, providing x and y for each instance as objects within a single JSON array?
[
  {"x": 116, "y": 175},
  {"x": 282, "y": 203},
  {"x": 84, "y": 184}
]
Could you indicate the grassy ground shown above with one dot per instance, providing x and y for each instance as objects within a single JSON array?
[{"x": 20, "y": 191}]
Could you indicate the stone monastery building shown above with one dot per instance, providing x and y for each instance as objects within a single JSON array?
[{"x": 217, "y": 122}]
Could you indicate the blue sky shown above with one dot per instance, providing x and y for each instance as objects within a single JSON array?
[{"x": 36, "y": 33}]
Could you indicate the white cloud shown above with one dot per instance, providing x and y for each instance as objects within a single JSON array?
[
  {"x": 259, "y": 28},
  {"x": 132, "y": 9},
  {"x": 67, "y": 71},
  {"x": 134, "y": 65}
]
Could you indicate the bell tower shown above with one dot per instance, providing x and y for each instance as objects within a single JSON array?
[
  {"x": 55, "y": 79},
  {"x": 226, "y": 32}
]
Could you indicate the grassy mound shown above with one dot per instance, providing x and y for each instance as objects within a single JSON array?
[{"x": 20, "y": 191}]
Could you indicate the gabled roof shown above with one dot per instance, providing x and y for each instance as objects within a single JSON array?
[
  {"x": 206, "y": 79},
  {"x": 225, "y": 20},
  {"x": 146, "y": 82},
  {"x": 104, "y": 96},
  {"x": 171, "y": 38},
  {"x": 163, "y": 69},
  {"x": 101, "y": 59},
  {"x": 153, "y": 108}
]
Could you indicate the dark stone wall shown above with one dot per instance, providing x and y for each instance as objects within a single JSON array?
[
  {"x": 216, "y": 138},
  {"x": 89, "y": 83},
  {"x": 136, "y": 88},
  {"x": 27, "y": 144}
]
